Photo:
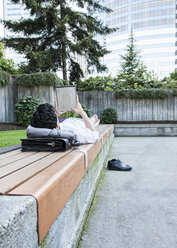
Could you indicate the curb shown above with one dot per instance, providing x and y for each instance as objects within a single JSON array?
[{"x": 10, "y": 148}]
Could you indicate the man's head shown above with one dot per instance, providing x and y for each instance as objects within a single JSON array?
[{"x": 44, "y": 117}]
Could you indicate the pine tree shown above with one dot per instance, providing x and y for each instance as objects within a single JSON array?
[
  {"x": 133, "y": 72},
  {"x": 57, "y": 33},
  {"x": 131, "y": 59}
]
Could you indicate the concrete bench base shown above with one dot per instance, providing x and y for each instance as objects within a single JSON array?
[
  {"x": 18, "y": 222},
  {"x": 145, "y": 130},
  {"x": 18, "y": 219}
]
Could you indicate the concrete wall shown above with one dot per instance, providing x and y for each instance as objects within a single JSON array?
[
  {"x": 9, "y": 95},
  {"x": 18, "y": 222},
  {"x": 130, "y": 109},
  {"x": 145, "y": 130},
  {"x": 127, "y": 109}
]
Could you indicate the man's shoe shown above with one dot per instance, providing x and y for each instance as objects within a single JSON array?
[{"x": 116, "y": 164}]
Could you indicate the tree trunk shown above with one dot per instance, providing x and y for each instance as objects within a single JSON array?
[{"x": 64, "y": 62}]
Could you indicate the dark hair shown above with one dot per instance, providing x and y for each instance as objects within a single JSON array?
[{"x": 44, "y": 117}]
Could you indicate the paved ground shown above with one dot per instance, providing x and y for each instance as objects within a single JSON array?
[{"x": 137, "y": 209}]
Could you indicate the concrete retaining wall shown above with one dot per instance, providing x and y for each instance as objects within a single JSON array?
[
  {"x": 131, "y": 109},
  {"x": 9, "y": 95},
  {"x": 145, "y": 130},
  {"x": 18, "y": 219},
  {"x": 127, "y": 109},
  {"x": 18, "y": 222}
]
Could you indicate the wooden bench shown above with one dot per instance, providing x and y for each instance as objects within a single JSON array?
[{"x": 50, "y": 177}]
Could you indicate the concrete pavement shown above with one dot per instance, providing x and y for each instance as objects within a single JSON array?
[{"x": 136, "y": 209}]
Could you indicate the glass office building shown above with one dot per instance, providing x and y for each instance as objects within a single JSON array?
[
  {"x": 153, "y": 24},
  {"x": 13, "y": 12}
]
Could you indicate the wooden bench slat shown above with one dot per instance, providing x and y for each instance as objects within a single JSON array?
[
  {"x": 11, "y": 181},
  {"x": 8, "y": 154},
  {"x": 39, "y": 182},
  {"x": 16, "y": 157},
  {"x": 10, "y": 168}
]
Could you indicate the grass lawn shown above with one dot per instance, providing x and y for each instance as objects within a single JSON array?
[{"x": 9, "y": 138}]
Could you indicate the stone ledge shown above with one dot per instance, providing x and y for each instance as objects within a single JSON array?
[
  {"x": 18, "y": 222},
  {"x": 9, "y": 148},
  {"x": 145, "y": 130}
]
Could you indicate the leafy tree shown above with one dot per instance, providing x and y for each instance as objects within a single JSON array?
[
  {"x": 173, "y": 75},
  {"x": 6, "y": 64},
  {"x": 133, "y": 73},
  {"x": 57, "y": 33},
  {"x": 171, "y": 81}
]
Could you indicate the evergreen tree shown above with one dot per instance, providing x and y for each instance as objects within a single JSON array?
[
  {"x": 133, "y": 73},
  {"x": 131, "y": 60},
  {"x": 57, "y": 33}
]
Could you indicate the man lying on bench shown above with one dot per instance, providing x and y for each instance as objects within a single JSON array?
[{"x": 44, "y": 123}]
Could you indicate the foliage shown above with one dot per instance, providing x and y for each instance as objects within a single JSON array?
[
  {"x": 109, "y": 116},
  {"x": 171, "y": 81},
  {"x": 56, "y": 34},
  {"x": 39, "y": 78},
  {"x": 97, "y": 83},
  {"x": 141, "y": 93},
  {"x": 4, "y": 77},
  {"x": 85, "y": 108},
  {"x": 73, "y": 114},
  {"x": 24, "y": 109},
  {"x": 133, "y": 73},
  {"x": 173, "y": 75},
  {"x": 6, "y": 64},
  {"x": 68, "y": 114},
  {"x": 9, "y": 138}
]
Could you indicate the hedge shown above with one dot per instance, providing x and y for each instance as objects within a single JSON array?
[
  {"x": 142, "y": 93},
  {"x": 39, "y": 78},
  {"x": 4, "y": 77}
]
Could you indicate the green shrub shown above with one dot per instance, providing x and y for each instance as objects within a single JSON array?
[
  {"x": 173, "y": 75},
  {"x": 73, "y": 114},
  {"x": 97, "y": 83},
  {"x": 142, "y": 93},
  {"x": 4, "y": 77},
  {"x": 68, "y": 114},
  {"x": 86, "y": 110},
  {"x": 24, "y": 109},
  {"x": 40, "y": 78},
  {"x": 109, "y": 116}
]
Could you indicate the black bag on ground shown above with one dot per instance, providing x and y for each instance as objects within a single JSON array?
[{"x": 45, "y": 144}]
